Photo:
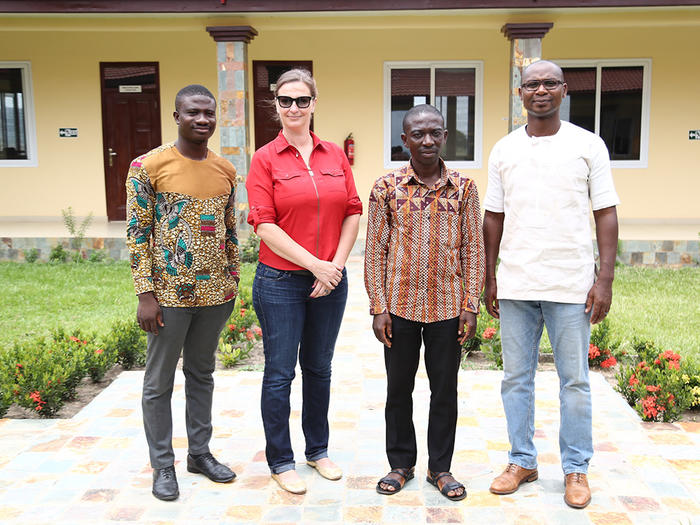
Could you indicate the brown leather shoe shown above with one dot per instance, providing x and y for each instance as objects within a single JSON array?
[
  {"x": 513, "y": 476},
  {"x": 577, "y": 494}
]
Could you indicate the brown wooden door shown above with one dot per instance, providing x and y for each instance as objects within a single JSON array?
[
  {"x": 266, "y": 73},
  {"x": 130, "y": 124}
]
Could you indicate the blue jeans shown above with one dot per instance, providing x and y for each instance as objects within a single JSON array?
[
  {"x": 569, "y": 332},
  {"x": 292, "y": 323}
]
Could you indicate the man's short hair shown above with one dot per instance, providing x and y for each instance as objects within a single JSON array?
[
  {"x": 543, "y": 61},
  {"x": 417, "y": 110},
  {"x": 192, "y": 89}
]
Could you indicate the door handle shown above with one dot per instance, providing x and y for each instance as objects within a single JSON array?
[{"x": 111, "y": 154}]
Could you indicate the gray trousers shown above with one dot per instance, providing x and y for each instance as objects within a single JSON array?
[{"x": 194, "y": 331}]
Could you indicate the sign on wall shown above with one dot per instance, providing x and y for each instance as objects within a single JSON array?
[
  {"x": 694, "y": 134},
  {"x": 68, "y": 132}
]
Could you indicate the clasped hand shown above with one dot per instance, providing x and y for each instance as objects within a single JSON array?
[{"x": 328, "y": 275}]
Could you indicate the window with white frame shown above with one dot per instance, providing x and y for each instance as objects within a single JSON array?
[
  {"x": 17, "y": 139},
  {"x": 452, "y": 87},
  {"x": 611, "y": 99}
]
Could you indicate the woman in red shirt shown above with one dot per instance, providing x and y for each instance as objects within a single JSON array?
[{"x": 305, "y": 209}]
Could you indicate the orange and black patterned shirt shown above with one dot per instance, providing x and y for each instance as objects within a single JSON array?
[{"x": 424, "y": 256}]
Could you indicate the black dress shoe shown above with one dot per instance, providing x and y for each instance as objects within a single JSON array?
[
  {"x": 165, "y": 484},
  {"x": 208, "y": 465}
]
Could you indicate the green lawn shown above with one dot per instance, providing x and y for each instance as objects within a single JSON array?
[
  {"x": 40, "y": 297},
  {"x": 658, "y": 304}
]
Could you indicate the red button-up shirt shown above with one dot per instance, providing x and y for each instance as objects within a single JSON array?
[{"x": 309, "y": 203}]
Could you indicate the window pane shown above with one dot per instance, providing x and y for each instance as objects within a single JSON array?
[
  {"x": 621, "y": 111},
  {"x": 454, "y": 97},
  {"x": 578, "y": 107},
  {"x": 409, "y": 87},
  {"x": 13, "y": 136}
]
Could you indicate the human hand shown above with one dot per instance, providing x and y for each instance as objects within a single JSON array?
[
  {"x": 467, "y": 326},
  {"x": 599, "y": 300},
  {"x": 327, "y": 273},
  {"x": 318, "y": 290},
  {"x": 490, "y": 294},
  {"x": 382, "y": 328},
  {"x": 148, "y": 313}
]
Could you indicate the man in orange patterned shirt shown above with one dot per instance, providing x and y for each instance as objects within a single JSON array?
[{"x": 424, "y": 270}]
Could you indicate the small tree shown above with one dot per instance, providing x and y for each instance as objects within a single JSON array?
[{"x": 77, "y": 231}]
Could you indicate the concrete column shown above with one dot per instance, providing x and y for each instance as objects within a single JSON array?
[
  {"x": 232, "y": 66},
  {"x": 525, "y": 48}
]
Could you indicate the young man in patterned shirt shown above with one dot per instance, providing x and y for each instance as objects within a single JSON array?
[
  {"x": 181, "y": 235},
  {"x": 424, "y": 270}
]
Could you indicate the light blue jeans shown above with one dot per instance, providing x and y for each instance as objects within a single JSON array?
[{"x": 569, "y": 332}]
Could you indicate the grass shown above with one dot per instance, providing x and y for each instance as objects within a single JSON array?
[
  {"x": 649, "y": 303},
  {"x": 658, "y": 304},
  {"x": 40, "y": 297}
]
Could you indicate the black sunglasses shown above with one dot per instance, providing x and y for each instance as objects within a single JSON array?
[{"x": 286, "y": 102}]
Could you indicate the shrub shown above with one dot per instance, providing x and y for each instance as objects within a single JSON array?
[
  {"x": 31, "y": 255},
  {"x": 491, "y": 345},
  {"x": 692, "y": 385},
  {"x": 7, "y": 385},
  {"x": 655, "y": 385},
  {"x": 128, "y": 342},
  {"x": 487, "y": 338},
  {"x": 249, "y": 249},
  {"x": 603, "y": 347},
  {"x": 77, "y": 231},
  {"x": 97, "y": 256},
  {"x": 231, "y": 355},
  {"x": 241, "y": 332},
  {"x": 43, "y": 376},
  {"x": 99, "y": 361},
  {"x": 58, "y": 254}
]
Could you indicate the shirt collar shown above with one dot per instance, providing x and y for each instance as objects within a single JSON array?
[
  {"x": 446, "y": 176},
  {"x": 281, "y": 143}
]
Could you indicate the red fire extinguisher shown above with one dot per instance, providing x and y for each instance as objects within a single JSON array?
[{"x": 349, "y": 147}]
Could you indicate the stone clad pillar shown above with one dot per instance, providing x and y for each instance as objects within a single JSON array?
[
  {"x": 525, "y": 48},
  {"x": 232, "y": 66}
]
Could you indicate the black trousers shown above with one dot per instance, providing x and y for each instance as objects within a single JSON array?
[{"x": 442, "y": 357}]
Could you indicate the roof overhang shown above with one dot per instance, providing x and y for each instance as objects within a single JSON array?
[{"x": 282, "y": 6}]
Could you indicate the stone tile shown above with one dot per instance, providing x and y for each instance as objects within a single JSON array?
[
  {"x": 442, "y": 515},
  {"x": 362, "y": 514}
]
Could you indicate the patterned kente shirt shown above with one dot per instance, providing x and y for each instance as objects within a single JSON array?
[
  {"x": 424, "y": 258},
  {"x": 181, "y": 227}
]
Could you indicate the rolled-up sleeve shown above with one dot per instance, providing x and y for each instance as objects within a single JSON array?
[
  {"x": 260, "y": 192},
  {"x": 354, "y": 204}
]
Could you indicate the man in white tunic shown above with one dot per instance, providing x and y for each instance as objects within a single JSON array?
[{"x": 541, "y": 178}]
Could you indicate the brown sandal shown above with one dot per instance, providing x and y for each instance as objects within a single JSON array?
[{"x": 406, "y": 474}]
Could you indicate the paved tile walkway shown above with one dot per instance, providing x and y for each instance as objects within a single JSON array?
[{"x": 93, "y": 468}]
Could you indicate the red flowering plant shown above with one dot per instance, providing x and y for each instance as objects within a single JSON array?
[
  {"x": 603, "y": 348},
  {"x": 241, "y": 332},
  {"x": 491, "y": 345},
  {"x": 654, "y": 385},
  {"x": 486, "y": 339},
  {"x": 40, "y": 376}
]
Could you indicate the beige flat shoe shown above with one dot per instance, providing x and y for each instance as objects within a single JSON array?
[
  {"x": 332, "y": 473},
  {"x": 297, "y": 487}
]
